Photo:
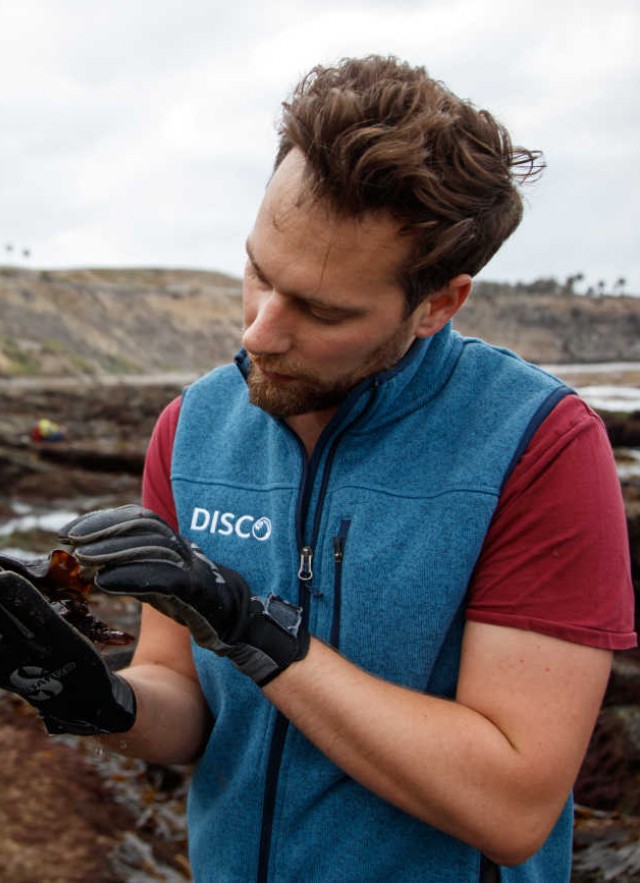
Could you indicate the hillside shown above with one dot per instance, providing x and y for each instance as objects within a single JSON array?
[
  {"x": 81, "y": 322},
  {"x": 554, "y": 328},
  {"x": 132, "y": 321}
]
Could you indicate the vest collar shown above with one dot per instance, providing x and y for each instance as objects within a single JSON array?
[{"x": 385, "y": 396}]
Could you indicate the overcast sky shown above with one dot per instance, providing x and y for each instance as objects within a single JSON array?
[{"x": 142, "y": 132}]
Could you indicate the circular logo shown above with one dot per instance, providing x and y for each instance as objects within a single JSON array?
[
  {"x": 35, "y": 683},
  {"x": 261, "y": 529}
]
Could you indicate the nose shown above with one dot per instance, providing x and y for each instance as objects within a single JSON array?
[{"x": 267, "y": 323}]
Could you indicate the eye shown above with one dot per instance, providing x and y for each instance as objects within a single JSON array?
[
  {"x": 324, "y": 319},
  {"x": 251, "y": 271},
  {"x": 329, "y": 315}
]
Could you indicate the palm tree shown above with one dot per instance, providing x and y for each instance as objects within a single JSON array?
[
  {"x": 620, "y": 285},
  {"x": 571, "y": 281}
]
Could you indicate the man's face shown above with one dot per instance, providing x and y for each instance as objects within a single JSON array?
[{"x": 322, "y": 305}]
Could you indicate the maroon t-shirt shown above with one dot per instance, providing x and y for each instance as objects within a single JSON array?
[{"x": 556, "y": 557}]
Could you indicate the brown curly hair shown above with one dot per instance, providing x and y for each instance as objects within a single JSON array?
[{"x": 380, "y": 135}]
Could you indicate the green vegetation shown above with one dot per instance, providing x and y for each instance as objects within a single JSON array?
[
  {"x": 82, "y": 364},
  {"x": 54, "y": 346},
  {"x": 22, "y": 361},
  {"x": 120, "y": 365}
]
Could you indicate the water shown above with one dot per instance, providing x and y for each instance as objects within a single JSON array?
[
  {"x": 628, "y": 460},
  {"x": 621, "y": 399},
  {"x": 28, "y": 519},
  {"x": 594, "y": 368},
  {"x": 620, "y": 392}
]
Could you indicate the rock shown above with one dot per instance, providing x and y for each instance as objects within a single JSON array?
[
  {"x": 606, "y": 847},
  {"x": 548, "y": 327},
  {"x": 624, "y": 682},
  {"x": 633, "y": 524},
  {"x": 97, "y": 455},
  {"x": 610, "y": 776},
  {"x": 607, "y": 818},
  {"x": 63, "y": 819},
  {"x": 623, "y": 429}
]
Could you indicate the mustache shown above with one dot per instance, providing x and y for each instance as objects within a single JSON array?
[{"x": 273, "y": 365}]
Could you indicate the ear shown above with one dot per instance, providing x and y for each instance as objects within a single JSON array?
[{"x": 436, "y": 310}]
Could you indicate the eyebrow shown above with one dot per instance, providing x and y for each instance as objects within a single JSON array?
[
  {"x": 310, "y": 301},
  {"x": 252, "y": 258}
]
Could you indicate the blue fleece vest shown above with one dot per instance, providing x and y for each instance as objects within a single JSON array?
[{"x": 377, "y": 536}]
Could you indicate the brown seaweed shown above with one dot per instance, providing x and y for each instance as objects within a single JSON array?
[{"x": 66, "y": 584}]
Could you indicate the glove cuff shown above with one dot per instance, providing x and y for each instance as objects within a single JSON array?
[
  {"x": 272, "y": 639},
  {"x": 117, "y": 715}
]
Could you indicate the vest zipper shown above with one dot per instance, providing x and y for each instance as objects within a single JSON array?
[
  {"x": 306, "y": 561},
  {"x": 305, "y": 572},
  {"x": 339, "y": 542},
  {"x": 281, "y": 725}
]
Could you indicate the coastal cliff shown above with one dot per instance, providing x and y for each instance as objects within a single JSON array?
[{"x": 87, "y": 322}]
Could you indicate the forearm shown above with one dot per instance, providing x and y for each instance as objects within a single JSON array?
[
  {"x": 172, "y": 718},
  {"x": 427, "y": 756},
  {"x": 438, "y": 760}
]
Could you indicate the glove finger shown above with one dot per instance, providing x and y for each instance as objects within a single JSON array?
[
  {"x": 35, "y": 568},
  {"x": 124, "y": 548},
  {"x": 27, "y": 616},
  {"x": 99, "y": 519},
  {"x": 104, "y": 523},
  {"x": 162, "y": 585},
  {"x": 142, "y": 578}
]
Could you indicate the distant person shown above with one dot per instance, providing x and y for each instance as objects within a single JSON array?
[
  {"x": 45, "y": 430},
  {"x": 423, "y": 566}
]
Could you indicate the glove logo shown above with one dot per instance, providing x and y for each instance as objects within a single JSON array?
[{"x": 37, "y": 683}]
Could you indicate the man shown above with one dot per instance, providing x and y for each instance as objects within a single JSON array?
[{"x": 429, "y": 531}]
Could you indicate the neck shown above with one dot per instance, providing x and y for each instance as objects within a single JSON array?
[{"x": 308, "y": 427}]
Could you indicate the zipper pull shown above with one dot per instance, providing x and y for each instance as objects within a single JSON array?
[
  {"x": 338, "y": 549},
  {"x": 305, "y": 573}
]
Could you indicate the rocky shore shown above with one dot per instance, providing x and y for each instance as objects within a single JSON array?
[{"x": 70, "y": 813}]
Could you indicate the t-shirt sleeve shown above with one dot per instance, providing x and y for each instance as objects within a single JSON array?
[
  {"x": 156, "y": 480},
  {"x": 556, "y": 557}
]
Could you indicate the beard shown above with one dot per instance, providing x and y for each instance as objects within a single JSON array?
[
  {"x": 303, "y": 392},
  {"x": 299, "y": 395}
]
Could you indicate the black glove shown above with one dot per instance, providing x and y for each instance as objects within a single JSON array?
[
  {"x": 138, "y": 554},
  {"x": 54, "y": 667}
]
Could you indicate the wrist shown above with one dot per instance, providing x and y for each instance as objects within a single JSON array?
[{"x": 274, "y": 637}]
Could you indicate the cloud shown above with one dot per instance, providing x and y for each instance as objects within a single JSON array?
[{"x": 143, "y": 133}]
